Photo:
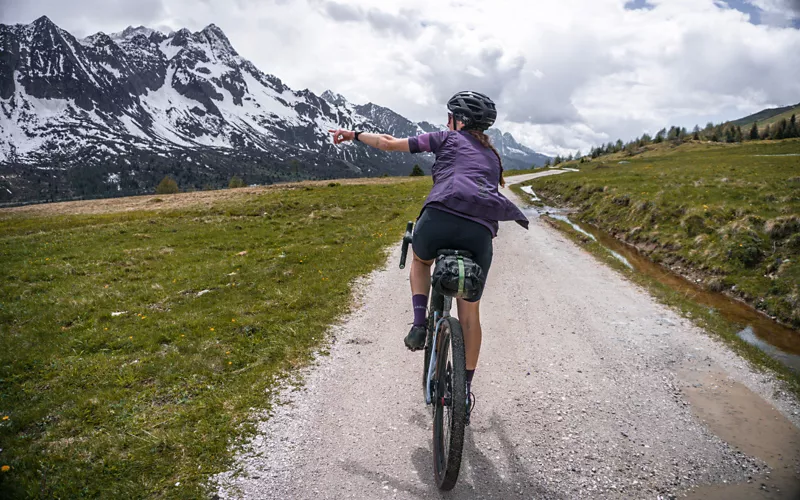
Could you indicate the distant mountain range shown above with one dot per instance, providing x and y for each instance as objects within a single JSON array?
[{"x": 112, "y": 114}]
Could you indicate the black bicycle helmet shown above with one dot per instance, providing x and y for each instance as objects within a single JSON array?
[{"x": 473, "y": 109}]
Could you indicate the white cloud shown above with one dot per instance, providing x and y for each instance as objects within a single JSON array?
[{"x": 566, "y": 75}]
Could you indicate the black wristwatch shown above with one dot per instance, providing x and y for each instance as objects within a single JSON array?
[{"x": 355, "y": 138}]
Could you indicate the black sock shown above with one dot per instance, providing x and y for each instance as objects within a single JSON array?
[{"x": 420, "y": 303}]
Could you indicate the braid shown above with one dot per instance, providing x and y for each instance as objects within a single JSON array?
[{"x": 485, "y": 142}]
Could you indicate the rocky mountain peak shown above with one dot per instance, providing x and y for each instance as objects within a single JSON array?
[{"x": 114, "y": 113}]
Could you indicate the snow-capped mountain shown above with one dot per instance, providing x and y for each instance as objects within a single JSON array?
[{"x": 112, "y": 114}]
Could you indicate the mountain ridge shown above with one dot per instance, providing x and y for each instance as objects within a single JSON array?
[{"x": 112, "y": 114}]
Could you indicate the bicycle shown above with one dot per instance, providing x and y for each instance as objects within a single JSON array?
[{"x": 444, "y": 375}]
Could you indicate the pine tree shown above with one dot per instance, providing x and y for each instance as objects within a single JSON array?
[
  {"x": 416, "y": 171},
  {"x": 737, "y": 134},
  {"x": 754, "y": 132},
  {"x": 696, "y": 133},
  {"x": 792, "y": 130},
  {"x": 766, "y": 133}
]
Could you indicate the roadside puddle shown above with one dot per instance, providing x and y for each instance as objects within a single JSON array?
[{"x": 750, "y": 424}]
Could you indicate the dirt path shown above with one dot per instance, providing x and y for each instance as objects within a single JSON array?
[{"x": 586, "y": 388}]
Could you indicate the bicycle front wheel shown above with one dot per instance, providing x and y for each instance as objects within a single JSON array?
[{"x": 450, "y": 405}]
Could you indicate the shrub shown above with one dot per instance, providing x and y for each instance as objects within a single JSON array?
[
  {"x": 167, "y": 186},
  {"x": 236, "y": 182}
]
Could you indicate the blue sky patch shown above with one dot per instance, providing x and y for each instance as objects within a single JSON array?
[
  {"x": 746, "y": 7},
  {"x": 638, "y": 4}
]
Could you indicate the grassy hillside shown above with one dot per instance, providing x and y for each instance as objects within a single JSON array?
[
  {"x": 727, "y": 214},
  {"x": 139, "y": 333},
  {"x": 768, "y": 117}
]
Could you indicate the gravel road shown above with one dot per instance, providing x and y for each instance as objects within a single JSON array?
[{"x": 586, "y": 388}]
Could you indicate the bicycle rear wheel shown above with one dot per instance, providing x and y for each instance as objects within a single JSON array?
[{"x": 450, "y": 405}]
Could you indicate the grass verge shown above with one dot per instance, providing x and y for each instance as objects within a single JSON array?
[
  {"x": 137, "y": 344},
  {"x": 726, "y": 214}
]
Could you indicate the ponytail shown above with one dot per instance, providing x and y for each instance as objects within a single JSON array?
[{"x": 485, "y": 142}]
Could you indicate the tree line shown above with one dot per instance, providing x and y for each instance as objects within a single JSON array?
[{"x": 723, "y": 132}]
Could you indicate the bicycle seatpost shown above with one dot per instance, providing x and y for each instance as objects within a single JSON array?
[{"x": 406, "y": 241}]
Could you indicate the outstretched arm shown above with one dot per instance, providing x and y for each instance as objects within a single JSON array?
[{"x": 384, "y": 142}]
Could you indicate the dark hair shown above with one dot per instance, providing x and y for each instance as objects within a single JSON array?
[{"x": 485, "y": 142}]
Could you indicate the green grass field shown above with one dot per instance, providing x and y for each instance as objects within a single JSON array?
[
  {"x": 137, "y": 343},
  {"x": 726, "y": 213}
]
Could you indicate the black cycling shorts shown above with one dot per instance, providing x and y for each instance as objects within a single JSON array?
[{"x": 436, "y": 230}]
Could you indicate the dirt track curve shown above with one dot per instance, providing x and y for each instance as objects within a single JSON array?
[{"x": 586, "y": 388}]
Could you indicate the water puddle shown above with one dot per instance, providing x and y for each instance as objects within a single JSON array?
[
  {"x": 747, "y": 422},
  {"x": 566, "y": 219},
  {"x": 776, "y": 340}
]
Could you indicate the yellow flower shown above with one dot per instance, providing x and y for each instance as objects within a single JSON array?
[
  {"x": 5, "y": 468},
  {"x": 230, "y": 362},
  {"x": 131, "y": 337},
  {"x": 227, "y": 352},
  {"x": 5, "y": 417},
  {"x": 181, "y": 335},
  {"x": 233, "y": 320},
  {"x": 105, "y": 329},
  {"x": 212, "y": 329},
  {"x": 143, "y": 317}
]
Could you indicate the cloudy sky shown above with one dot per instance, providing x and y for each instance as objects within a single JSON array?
[{"x": 566, "y": 74}]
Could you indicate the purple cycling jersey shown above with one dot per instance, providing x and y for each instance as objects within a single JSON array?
[{"x": 465, "y": 179}]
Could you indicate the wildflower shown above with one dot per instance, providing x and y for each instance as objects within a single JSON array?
[
  {"x": 233, "y": 320},
  {"x": 105, "y": 286},
  {"x": 230, "y": 362},
  {"x": 5, "y": 417},
  {"x": 143, "y": 317},
  {"x": 181, "y": 335},
  {"x": 227, "y": 352},
  {"x": 5, "y": 468},
  {"x": 105, "y": 329},
  {"x": 131, "y": 337},
  {"x": 212, "y": 329}
]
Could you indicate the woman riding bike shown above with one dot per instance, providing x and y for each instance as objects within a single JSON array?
[{"x": 462, "y": 210}]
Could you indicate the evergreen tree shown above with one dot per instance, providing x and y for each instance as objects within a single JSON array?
[
  {"x": 416, "y": 171},
  {"x": 737, "y": 134},
  {"x": 792, "y": 130},
  {"x": 766, "y": 133},
  {"x": 696, "y": 133},
  {"x": 779, "y": 129},
  {"x": 754, "y": 132}
]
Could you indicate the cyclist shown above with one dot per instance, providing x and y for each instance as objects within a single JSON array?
[{"x": 462, "y": 210}]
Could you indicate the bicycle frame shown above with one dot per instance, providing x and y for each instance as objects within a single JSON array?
[{"x": 437, "y": 321}]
